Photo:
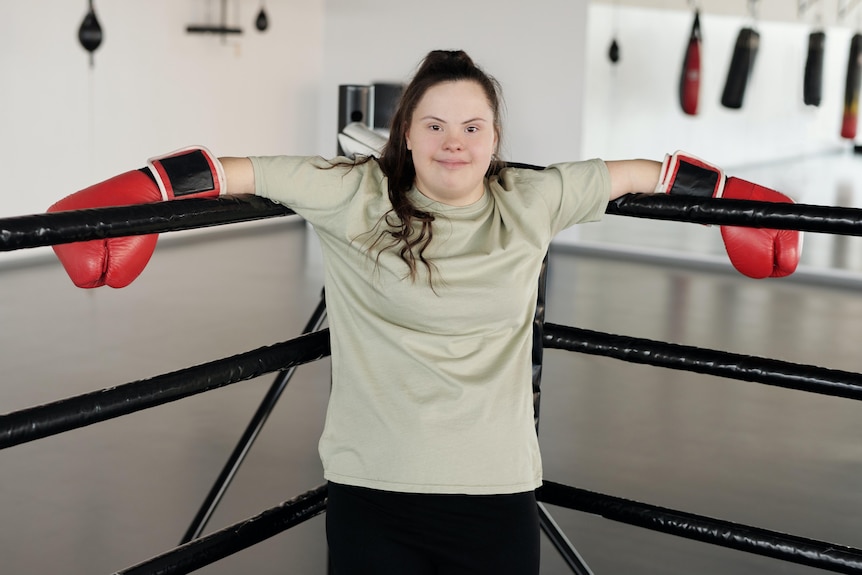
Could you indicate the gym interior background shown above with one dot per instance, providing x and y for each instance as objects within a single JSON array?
[{"x": 109, "y": 496}]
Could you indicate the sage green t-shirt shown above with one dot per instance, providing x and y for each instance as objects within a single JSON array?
[{"x": 431, "y": 386}]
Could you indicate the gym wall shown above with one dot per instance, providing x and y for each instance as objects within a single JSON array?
[
  {"x": 154, "y": 87},
  {"x": 631, "y": 108}
]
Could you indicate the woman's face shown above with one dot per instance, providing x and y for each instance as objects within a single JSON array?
[{"x": 452, "y": 138}]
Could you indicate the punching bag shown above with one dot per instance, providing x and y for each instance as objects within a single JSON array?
[
  {"x": 851, "y": 89},
  {"x": 741, "y": 65},
  {"x": 812, "y": 88},
  {"x": 689, "y": 80}
]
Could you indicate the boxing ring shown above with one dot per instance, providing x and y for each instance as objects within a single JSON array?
[{"x": 282, "y": 359}]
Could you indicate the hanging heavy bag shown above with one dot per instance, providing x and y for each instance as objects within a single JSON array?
[
  {"x": 689, "y": 80},
  {"x": 741, "y": 65},
  {"x": 851, "y": 89},
  {"x": 812, "y": 87}
]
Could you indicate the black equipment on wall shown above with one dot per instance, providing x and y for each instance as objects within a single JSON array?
[
  {"x": 689, "y": 80},
  {"x": 813, "y": 81},
  {"x": 262, "y": 21},
  {"x": 614, "y": 52},
  {"x": 614, "y": 48},
  {"x": 222, "y": 28},
  {"x": 386, "y": 98},
  {"x": 741, "y": 66},
  {"x": 373, "y": 105},
  {"x": 90, "y": 32},
  {"x": 851, "y": 89},
  {"x": 355, "y": 104}
]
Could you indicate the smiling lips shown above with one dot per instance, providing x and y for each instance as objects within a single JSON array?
[{"x": 453, "y": 164}]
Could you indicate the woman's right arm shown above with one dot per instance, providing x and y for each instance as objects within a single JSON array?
[{"x": 239, "y": 175}]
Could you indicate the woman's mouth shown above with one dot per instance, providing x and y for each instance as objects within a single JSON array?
[{"x": 452, "y": 164}]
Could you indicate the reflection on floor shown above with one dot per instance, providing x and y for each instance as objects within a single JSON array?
[{"x": 108, "y": 496}]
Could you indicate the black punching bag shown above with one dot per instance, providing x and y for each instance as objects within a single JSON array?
[
  {"x": 812, "y": 88},
  {"x": 851, "y": 89},
  {"x": 741, "y": 65},
  {"x": 90, "y": 32}
]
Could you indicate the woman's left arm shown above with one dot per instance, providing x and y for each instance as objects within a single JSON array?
[{"x": 633, "y": 176}]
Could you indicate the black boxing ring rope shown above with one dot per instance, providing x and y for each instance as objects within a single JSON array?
[
  {"x": 66, "y": 227},
  {"x": 720, "y": 363},
  {"x": 32, "y": 231},
  {"x": 800, "y": 550},
  {"x": 37, "y": 230},
  {"x": 83, "y": 410},
  {"x": 80, "y": 411}
]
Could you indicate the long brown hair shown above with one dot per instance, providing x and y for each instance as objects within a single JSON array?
[{"x": 396, "y": 160}]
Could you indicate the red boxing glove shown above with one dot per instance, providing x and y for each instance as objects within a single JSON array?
[
  {"x": 755, "y": 252},
  {"x": 188, "y": 173}
]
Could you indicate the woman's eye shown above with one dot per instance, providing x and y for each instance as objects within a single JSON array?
[
  {"x": 472, "y": 129},
  {"x": 435, "y": 127}
]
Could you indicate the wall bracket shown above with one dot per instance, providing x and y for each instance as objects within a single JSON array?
[{"x": 222, "y": 28}]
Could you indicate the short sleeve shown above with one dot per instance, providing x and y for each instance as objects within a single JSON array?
[
  {"x": 572, "y": 192},
  {"x": 314, "y": 187}
]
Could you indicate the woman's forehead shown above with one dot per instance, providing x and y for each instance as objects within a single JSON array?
[{"x": 460, "y": 99}]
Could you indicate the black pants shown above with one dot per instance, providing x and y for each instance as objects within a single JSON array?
[{"x": 373, "y": 532}]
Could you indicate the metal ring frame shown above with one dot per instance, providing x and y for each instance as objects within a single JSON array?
[{"x": 195, "y": 552}]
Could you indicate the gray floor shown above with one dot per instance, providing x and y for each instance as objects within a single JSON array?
[{"x": 108, "y": 496}]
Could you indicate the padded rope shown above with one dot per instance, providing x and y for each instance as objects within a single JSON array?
[
  {"x": 234, "y": 538},
  {"x": 37, "y": 230},
  {"x": 799, "y": 550},
  {"x": 67, "y": 414},
  {"x": 723, "y": 364}
]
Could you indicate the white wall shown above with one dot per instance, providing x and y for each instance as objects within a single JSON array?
[
  {"x": 536, "y": 51},
  {"x": 631, "y": 108},
  {"x": 153, "y": 88}
]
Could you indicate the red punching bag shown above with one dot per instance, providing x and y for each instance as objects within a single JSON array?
[
  {"x": 689, "y": 80},
  {"x": 851, "y": 89}
]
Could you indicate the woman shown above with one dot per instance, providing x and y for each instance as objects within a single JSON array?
[
  {"x": 432, "y": 259},
  {"x": 432, "y": 256}
]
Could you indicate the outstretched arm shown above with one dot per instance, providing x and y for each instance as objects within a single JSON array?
[
  {"x": 238, "y": 174},
  {"x": 755, "y": 252},
  {"x": 633, "y": 176}
]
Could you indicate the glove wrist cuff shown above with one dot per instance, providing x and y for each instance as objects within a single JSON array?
[
  {"x": 192, "y": 172},
  {"x": 683, "y": 174}
]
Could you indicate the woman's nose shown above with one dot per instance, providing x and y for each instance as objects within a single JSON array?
[{"x": 452, "y": 142}]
